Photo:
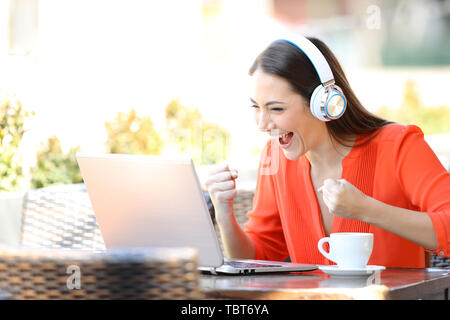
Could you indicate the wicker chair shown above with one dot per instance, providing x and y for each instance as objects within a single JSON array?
[
  {"x": 439, "y": 262},
  {"x": 113, "y": 274},
  {"x": 60, "y": 217},
  {"x": 59, "y": 229}
]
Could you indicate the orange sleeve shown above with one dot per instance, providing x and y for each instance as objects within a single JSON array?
[
  {"x": 264, "y": 224},
  {"x": 425, "y": 182}
]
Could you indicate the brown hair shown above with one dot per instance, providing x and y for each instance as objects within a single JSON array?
[{"x": 284, "y": 59}]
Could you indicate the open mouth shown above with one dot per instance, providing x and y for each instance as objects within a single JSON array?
[{"x": 285, "y": 139}]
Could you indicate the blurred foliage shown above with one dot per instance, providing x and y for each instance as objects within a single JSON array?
[
  {"x": 187, "y": 133},
  {"x": 131, "y": 134},
  {"x": 53, "y": 167},
  {"x": 211, "y": 7},
  {"x": 431, "y": 120},
  {"x": 206, "y": 142},
  {"x": 12, "y": 119}
]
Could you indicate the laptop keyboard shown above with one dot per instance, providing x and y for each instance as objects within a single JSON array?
[{"x": 240, "y": 264}]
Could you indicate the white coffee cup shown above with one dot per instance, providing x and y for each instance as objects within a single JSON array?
[{"x": 348, "y": 249}]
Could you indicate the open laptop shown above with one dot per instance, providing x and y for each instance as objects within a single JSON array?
[{"x": 153, "y": 201}]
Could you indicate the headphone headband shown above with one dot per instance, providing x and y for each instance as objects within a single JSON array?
[
  {"x": 314, "y": 55},
  {"x": 327, "y": 101}
]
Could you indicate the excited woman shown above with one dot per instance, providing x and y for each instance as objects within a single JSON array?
[{"x": 333, "y": 167}]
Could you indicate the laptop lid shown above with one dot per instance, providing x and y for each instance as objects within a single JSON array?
[{"x": 149, "y": 201}]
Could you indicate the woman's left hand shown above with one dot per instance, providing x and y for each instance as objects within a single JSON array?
[{"x": 343, "y": 199}]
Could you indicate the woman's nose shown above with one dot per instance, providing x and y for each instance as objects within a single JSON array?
[{"x": 264, "y": 122}]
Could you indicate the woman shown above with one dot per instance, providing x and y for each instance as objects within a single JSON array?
[{"x": 354, "y": 172}]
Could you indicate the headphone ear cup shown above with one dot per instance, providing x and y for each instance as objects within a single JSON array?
[
  {"x": 334, "y": 103},
  {"x": 316, "y": 101}
]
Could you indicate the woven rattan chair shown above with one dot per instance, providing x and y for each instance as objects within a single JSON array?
[
  {"x": 114, "y": 274},
  {"x": 439, "y": 262},
  {"x": 60, "y": 217}
]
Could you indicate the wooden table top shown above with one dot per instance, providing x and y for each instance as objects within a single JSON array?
[{"x": 392, "y": 283}]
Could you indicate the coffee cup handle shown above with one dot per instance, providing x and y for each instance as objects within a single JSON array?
[{"x": 322, "y": 251}]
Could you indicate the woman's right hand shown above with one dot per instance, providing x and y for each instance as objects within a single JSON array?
[{"x": 222, "y": 189}]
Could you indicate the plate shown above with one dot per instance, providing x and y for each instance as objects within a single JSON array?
[{"x": 334, "y": 270}]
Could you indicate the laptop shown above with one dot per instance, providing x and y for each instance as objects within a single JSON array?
[{"x": 155, "y": 201}]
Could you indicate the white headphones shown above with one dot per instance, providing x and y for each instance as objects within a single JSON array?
[{"x": 327, "y": 101}]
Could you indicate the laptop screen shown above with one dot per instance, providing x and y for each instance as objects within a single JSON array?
[{"x": 149, "y": 201}]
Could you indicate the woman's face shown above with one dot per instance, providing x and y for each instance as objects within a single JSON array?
[{"x": 284, "y": 113}]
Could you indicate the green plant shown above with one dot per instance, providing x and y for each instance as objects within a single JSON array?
[
  {"x": 131, "y": 134},
  {"x": 12, "y": 119},
  {"x": 206, "y": 142},
  {"x": 53, "y": 166},
  {"x": 431, "y": 120}
]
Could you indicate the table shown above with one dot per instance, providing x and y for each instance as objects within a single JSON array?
[{"x": 392, "y": 283}]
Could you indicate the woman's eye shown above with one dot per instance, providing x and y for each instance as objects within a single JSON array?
[
  {"x": 277, "y": 109},
  {"x": 254, "y": 106}
]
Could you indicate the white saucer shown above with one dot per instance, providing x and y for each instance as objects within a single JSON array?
[{"x": 334, "y": 270}]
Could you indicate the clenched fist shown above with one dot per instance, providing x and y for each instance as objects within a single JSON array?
[
  {"x": 222, "y": 188},
  {"x": 343, "y": 199}
]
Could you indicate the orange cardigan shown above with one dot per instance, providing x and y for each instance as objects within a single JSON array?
[{"x": 396, "y": 167}]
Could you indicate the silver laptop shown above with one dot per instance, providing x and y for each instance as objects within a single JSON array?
[{"x": 153, "y": 201}]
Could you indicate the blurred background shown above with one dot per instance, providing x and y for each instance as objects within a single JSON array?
[{"x": 170, "y": 77}]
